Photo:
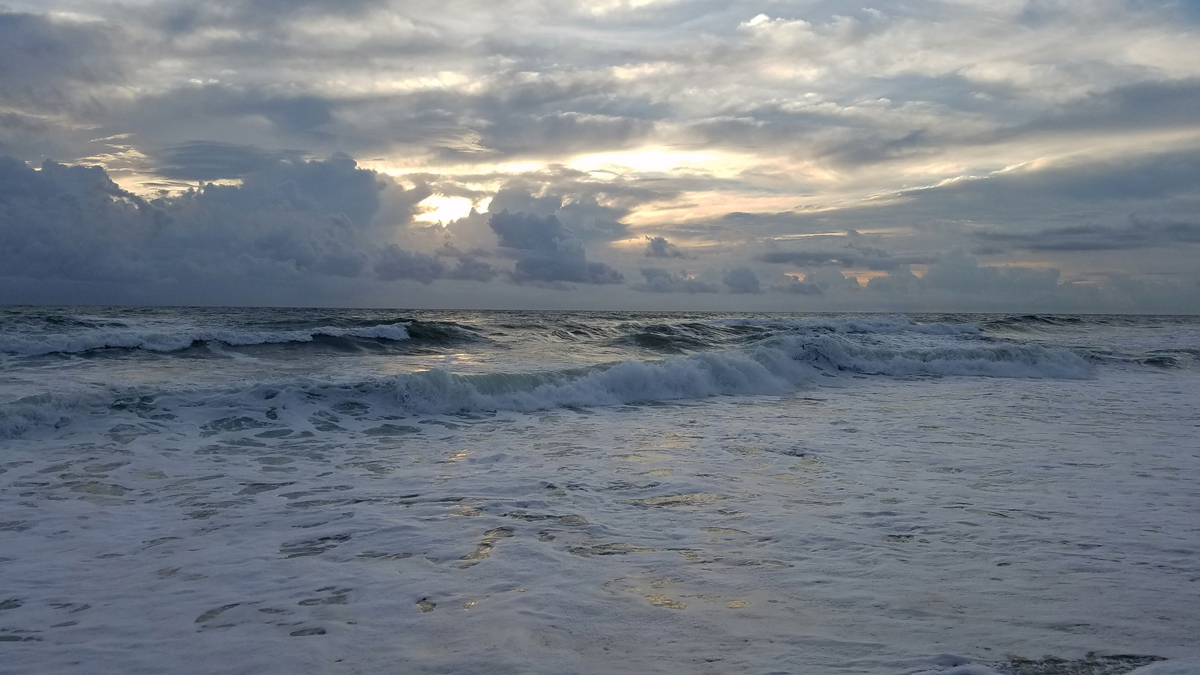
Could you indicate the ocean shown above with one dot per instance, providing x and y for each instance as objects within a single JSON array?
[{"x": 200, "y": 490}]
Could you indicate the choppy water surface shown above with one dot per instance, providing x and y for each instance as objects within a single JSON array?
[{"x": 202, "y": 490}]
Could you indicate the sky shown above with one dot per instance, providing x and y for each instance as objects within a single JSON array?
[{"x": 769, "y": 155}]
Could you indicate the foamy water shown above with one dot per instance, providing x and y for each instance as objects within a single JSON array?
[{"x": 320, "y": 491}]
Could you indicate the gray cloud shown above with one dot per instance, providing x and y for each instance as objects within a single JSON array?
[
  {"x": 1140, "y": 104},
  {"x": 1136, "y": 234},
  {"x": 471, "y": 269},
  {"x": 209, "y": 160},
  {"x": 659, "y": 280},
  {"x": 547, "y": 251},
  {"x": 856, "y": 254},
  {"x": 396, "y": 263},
  {"x": 742, "y": 280},
  {"x": 576, "y": 204},
  {"x": 287, "y": 221},
  {"x": 794, "y": 285},
  {"x": 44, "y": 63},
  {"x": 1162, "y": 182},
  {"x": 956, "y": 272},
  {"x": 1024, "y": 134},
  {"x": 659, "y": 247}
]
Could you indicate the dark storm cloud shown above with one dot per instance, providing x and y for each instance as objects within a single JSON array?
[
  {"x": 547, "y": 251},
  {"x": 1136, "y": 234},
  {"x": 286, "y": 221},
  {"x": 70, "y": 222},
  {"x": 659, "y": 280}
]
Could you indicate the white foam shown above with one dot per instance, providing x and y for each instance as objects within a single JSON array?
[{"x": 1172, "y": 667}]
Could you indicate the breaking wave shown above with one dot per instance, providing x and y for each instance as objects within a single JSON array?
[{"x": 779, "y": 367}]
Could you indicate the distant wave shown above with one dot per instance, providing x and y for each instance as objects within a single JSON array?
[
  {"x": 700, "y": 335},
  {"x": 781, "y": 366},
  {"x": 882, "y": 324},
  {"x": 152, "y": 340}
]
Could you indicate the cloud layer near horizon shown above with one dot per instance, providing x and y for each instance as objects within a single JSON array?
[{"x": 668, "y": 154}]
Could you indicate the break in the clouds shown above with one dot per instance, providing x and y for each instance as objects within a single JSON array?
[{"x": 789, "y": 155}]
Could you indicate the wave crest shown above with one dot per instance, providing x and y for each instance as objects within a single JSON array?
[
  {"x": 172, "y": 341},
  {"x": 779, "y": 367}
]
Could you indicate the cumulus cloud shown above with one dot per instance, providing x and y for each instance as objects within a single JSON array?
[
  {"x": 593, "y": 210},
  {"x": 742, "y": 280},
  {"x": 396, "y": 263},
  {"x": 286, "y": 221},
  {"x": 472, "y": 269},
  {"x": 659, "y": 247},
  {"x": 546, "y": 251},
  {"x": 659, "y": 280},
  {"x": 793, "y": 285}
]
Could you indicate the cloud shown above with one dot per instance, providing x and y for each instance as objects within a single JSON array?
[
  {"x": 45, "y": 63},
  {"x": 856, "y": 254},
  {"x": 1154, "y": 182},
  {"x": 794, "y": 285},
  {"x": 742, "y": 280},
  {"x": 1024, "y": 132},
  {"x": 898, "y": 281},
  {"x": 958, "y": 273},
  {"x": 593, "y": 210},
  {"x": 286, "y": 222},
  {"x": 396, "y": 263},
  {"x": 1136, "y": 234},
  {"x": 547, "y": 251},
  {"x": 659, "y": 280},
  {"x": 470, "y": 269},
  {"x": 225, "y": 114},
  {"x": 209, "y": 160},
  {"x": 659, "y": 247}
]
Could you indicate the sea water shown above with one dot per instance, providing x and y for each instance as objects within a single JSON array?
[{"x": 363, "y": 491}]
